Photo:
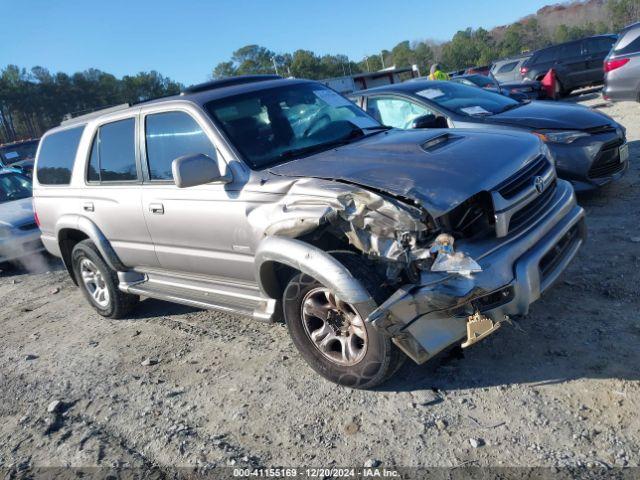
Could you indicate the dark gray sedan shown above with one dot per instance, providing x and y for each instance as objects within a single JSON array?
[{"x": 589, "y": 147}]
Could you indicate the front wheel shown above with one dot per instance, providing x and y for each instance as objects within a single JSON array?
[
  {"x": 99, "y": 283},
  {"x": 333, "y": 338}
]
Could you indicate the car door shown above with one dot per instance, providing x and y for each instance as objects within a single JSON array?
[
  {"x": 395, "y": 111},
  {"x": 112, "y": 195},
  {"x": 571, "y": 65},
  {"x": 196, "y": 230},
  {"x": 595, "y": 50}
]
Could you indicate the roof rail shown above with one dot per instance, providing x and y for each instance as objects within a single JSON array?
[
  {"x": 228, "y": 82},
  {"x": 88, "y": 116}
]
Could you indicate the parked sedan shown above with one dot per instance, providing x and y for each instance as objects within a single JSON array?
[
  {"x": 19, "y": 233},
  {"x": 589, "y": 147},
  {"x": 517, "y": 90}
]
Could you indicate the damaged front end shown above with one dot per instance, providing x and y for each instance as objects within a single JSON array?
[{"x": 450, "y": 287}]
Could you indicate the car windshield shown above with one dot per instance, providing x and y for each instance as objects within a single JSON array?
[
  {"x": 466, "y": 100},
  {"x": 275, "y": 125},
  {"x": 10, "y": 154},
  {"x": 14, "y": 186},
  {"x": 481, "y": 80}
]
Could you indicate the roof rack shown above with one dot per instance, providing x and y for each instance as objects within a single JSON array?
[
  {"x": 228, "y": 82},
  {"x": 88, "y": 116}
]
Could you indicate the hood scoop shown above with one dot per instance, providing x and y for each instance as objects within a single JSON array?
[{"x": 441, "y": 141}]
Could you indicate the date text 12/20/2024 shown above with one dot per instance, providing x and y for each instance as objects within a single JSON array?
[{"x": 361, "y": 472}]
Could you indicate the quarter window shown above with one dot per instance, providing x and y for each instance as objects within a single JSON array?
[
  {"x": 507, "y": 67},
  {"x": 57, "y": 155},
  {"x": 395, "y": 112},
  {"x": 171, "y": 135},
  {"x": 113, "y": 153}
]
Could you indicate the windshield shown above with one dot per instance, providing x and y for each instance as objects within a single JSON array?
[
  {"x": 14, "y": 187},
  {"x": 275, "y": 125},
  {"x": 10, "y": 154},
  {"x": 467, "y": 100},
  {"x": 481, "y": 80}
]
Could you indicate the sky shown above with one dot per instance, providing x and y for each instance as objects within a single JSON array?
[{"x": 186, "y": 39}]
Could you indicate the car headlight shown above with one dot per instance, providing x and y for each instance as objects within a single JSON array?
[{"x": 566, "y": 137}]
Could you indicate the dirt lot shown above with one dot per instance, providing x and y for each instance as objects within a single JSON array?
[{"x": 560, "y": 390}]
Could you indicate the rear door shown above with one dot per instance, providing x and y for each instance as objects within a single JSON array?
[
  {"x": 112, "y": 197},
  {"x": 595, "y": 50},
  {"x": 571, "y": 65}
]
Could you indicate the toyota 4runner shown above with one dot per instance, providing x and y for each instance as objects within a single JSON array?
[{"x": 278, "y": 198}]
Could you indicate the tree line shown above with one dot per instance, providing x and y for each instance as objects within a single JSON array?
[{"x": 31, "y": 101}]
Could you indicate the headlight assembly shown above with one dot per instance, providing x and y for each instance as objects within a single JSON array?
[{"x": 566, "y": 137}]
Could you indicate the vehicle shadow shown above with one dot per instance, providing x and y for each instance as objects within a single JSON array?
[{"x": 152, "y": 308}]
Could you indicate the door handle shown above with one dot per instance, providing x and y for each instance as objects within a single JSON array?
[
  {"x": 88, "y": 207},
  {"x": 156, "y": 208}
]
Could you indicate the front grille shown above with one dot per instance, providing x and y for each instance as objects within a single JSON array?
[
  {"x": 28, "y": 226},
  {"x": 607, "y": 162},
  {"x": 532, "y": 209},
  {"x": 473, "y": 218},
  {"x": 553, "y": 257},
  {"x": 521, "y": 180}
]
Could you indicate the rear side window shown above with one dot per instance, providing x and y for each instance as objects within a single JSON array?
[
  {"x": 113, "y": 153},
  {"x": 545, "y": 56},
  {"x": 598, "y": 45},
  {"x": 570, "y": 50},
  {"x": 632, "y": 47},
  {"x": 57, "y": 154},
  {"x": 171, "y": 135},
  {"x": 507, "y": 67}
]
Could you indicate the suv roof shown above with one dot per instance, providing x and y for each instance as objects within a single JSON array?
[{"x": 613, "y": 35}]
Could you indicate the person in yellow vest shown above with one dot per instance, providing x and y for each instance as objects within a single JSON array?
[{"x": 436, "y": 73}]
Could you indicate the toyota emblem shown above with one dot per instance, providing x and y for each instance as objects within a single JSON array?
[{"x": 539, "y": 184}]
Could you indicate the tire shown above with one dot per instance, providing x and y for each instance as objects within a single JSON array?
[
  {"x": 101, "y": 289},
  {"x": 372, "y": 358}
]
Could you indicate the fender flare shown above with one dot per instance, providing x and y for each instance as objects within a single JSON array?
[
  {"x": 90, "y": 229},
  {"x": 307, "y": 259}
]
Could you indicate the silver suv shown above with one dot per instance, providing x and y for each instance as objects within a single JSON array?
[
  {"x": 622, "y": 67},
  {"x": 277, "y": 198}
]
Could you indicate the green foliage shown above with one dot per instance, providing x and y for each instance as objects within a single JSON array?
[
  {"x": 623, "y": 12},
  {"x": 33, "y": 101}
]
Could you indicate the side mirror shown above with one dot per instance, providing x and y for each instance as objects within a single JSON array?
[
  {"x": 197, "y": 169},
  {"x": 425, "y": 121}
]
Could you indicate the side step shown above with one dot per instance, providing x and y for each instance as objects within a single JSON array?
[{"x": 200, "y": 292}]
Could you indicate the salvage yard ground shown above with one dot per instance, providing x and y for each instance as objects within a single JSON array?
[{"x": 179, "y": 386}]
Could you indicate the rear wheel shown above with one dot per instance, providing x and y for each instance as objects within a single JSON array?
[
  {"x": 332, "y": 336},
  {"x": 99, "y": 283}
]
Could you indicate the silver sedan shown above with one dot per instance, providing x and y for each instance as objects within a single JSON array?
[{"x": 19, "y": 233}]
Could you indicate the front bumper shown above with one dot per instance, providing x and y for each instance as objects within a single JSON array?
[
  {"x": 20, "y": 244},
  {"x": 427, "y": 318},
  {"x": 592, "y": 162}
]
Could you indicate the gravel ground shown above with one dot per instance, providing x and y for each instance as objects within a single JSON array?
[{"x": 179, "y": 386}]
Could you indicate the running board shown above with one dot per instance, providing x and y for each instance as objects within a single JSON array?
[{"x": 209, "y": 295}]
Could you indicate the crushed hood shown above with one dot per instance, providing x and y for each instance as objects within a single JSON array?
[
  {"x": 16, "y": 213},
  {"x": 551, "y": 115},
  {"x": 438, "y": 178}
]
